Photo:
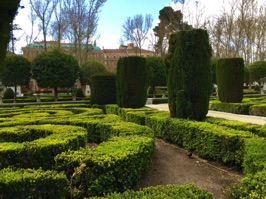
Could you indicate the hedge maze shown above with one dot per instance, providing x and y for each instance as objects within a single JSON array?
[{"x": 44, "y": 152}]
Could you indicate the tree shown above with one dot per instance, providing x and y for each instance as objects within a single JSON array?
[
  {"x": 170, "y": 22},
  {"x": 90, "y": 68},
  {"x": 44, "y": 10},
  {"x": 135, "y": 30},
  {"x": 8, "y": 10},
  {"x": 132, "y": 80},
  {"x": 189, "y": 76},
  {"x": 79, "y": 22},
  {"x": 158, "y": 72},
  {"x": 257, "y": 71},
  {"x": 239, "y": 31},
  {"x": 55, "y": 69},
  {"x": 16, "y": 71}
]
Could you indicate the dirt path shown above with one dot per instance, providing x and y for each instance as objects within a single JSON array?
[{"x": 171, "y": 165}]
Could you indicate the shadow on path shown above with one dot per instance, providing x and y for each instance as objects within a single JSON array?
[{"x": 171, "y": 165}]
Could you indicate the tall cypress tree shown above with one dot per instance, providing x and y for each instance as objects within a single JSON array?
[
  {"x": 189, "y": 75},
  {"x": 132, "y": 80},
  {"x": 230, "y": 79},
  {"x": 8, "y": 10}
]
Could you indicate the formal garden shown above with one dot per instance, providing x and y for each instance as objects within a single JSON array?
[{"x": 102, "y": 147}]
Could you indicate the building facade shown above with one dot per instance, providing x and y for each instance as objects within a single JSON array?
[{"x": 108, "y": 57}]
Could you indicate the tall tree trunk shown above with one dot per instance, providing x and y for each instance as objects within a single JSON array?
[
  {"x": 15, "y": 94},
  {"x": 55, "y": 94}
]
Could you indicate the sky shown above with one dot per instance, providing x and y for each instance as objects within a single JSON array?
[{"x": 113, "y": 16}]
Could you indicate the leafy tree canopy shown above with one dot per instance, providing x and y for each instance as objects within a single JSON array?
[
  {"x": 15, "y": 71},
  {"x": 257, "y": 70},
  {"x": 158, "y": 71},
  {"x": 90, "y": 68},
  {"x": 55, "y": 69},
  {"x": 170, "y": 22}
]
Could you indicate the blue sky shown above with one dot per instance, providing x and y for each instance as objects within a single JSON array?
[
  {"x": 115, "y": 12},
  {"x": 112, "y": 17}
]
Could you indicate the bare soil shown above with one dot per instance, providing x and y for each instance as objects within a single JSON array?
[{"x": 172, "y": 165}]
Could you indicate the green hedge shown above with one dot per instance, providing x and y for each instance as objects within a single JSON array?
[
  {"x": 116, "y": 165},
  {"x": 237, "y": 108},
  {"x": 254, "y": 128},
  {"x": 255, "y": 156},
  {"x": 39, "y": 150},
  {"x": 34, "y": 183},
  {"x": 258, "y": 109},
  {"x": 252, "y": 186},
  {"x": 160, "y": 101},
  {"x": 162, "y": 192}
]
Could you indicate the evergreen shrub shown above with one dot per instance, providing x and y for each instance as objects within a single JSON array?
[
  {"x": 30, "y": 183},
  {"x": 132, "y": 80},
  {"x": 9, "y": 94},
  {"x": 189, "y": 75},
  {"x": 162, "y": 192},
  {"x": 230, "y": 79},
  {"x": 79, "y": 93},
  {"x": 103, "y": 89}
]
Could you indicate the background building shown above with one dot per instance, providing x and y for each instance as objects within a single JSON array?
[{"x": 108, "y": 57}]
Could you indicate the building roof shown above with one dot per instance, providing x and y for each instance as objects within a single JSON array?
[{"x": 63, "y": 45}]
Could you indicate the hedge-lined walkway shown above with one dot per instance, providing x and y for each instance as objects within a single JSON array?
[
  {"x": 171, "y": 165},
  {"x": 230, "y": 116}
]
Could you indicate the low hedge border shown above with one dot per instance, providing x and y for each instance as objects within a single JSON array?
[
  {"x": 259, "y": 110},
  {"x": 41, "y": 144},
  {"x": 237, "y": 108},
  {"x": 34, "y": 183},
  {"x": 162, "y": 192},
  {"x": 254, "y": 128},
  {"x": 115, "y": 165}
]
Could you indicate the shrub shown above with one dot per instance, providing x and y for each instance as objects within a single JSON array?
[
  {"x": 189, "y": 76},
  {"x": 90, "y": 68},
  {"x": 162, "y": 192},
  {"x": 132, "y": 82},
  {"x": 115, "y": 165},
  {"x": 158, "y": 73},
  {"x": 252, "y": 186},
  {"x": 29, "y": 183},
  {"x": 9, "y": 94},
  {"x": 79, "y": 93},
  {"x": 230, "y": 79},
  {"x": 103, "y": 89}
]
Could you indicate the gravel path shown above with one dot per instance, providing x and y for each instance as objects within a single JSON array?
[{"x": 230, "y": 116}]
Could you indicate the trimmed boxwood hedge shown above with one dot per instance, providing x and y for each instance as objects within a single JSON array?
[
  {"x": 29, "y": 183},
  {"x": 162, "y": 192},
  {"x": 116, "y": 165},
  {"x": 39, "y": 151}
]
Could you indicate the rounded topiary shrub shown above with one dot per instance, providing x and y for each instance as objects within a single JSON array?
[
  {"x": 9, "y": 94},
  {"x": 79, "y": 93},
  {"x": 230, "y": 79},
  {"x": 103, "y": 89},
  {"x": 189, "y": 75},
  {"x": 132, "y": 80}
]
